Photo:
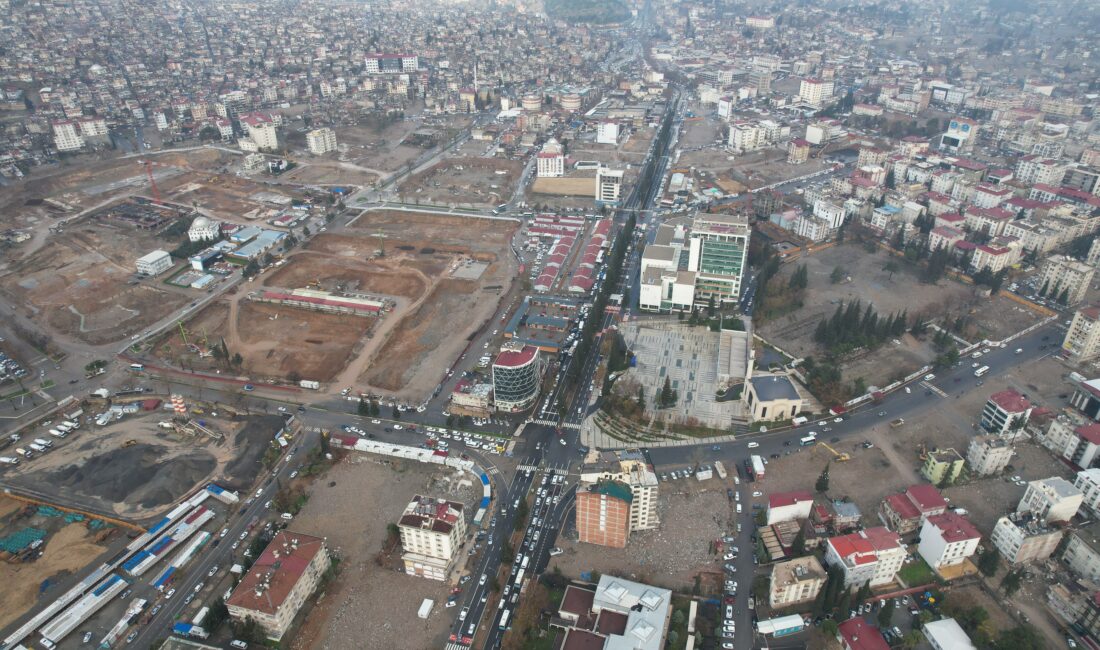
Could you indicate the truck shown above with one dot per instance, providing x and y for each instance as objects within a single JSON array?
[
  {"x": 757, "y": 466},
  {"x": 39, "y": 448},
  {"x": 57, "y": 434},
  {"x": 62, "y": 428},
  {"x": 310, "y": 384},
  {"x": 799, "y": 420},
  {"x": 73, "y": 416},
  {"x": 425, "y": 608},
  {"x": 189, "y": 630},
  {"x": 8, "y": 460},
  {"x": 25, "y": 453},
  {"x": 897, "y": 423},
  {"x": 71, "y": 425},
  {"x": 201, "y": 616},
  {"x": 43, "y": 442},
  {"x": 720, "y": 470}
]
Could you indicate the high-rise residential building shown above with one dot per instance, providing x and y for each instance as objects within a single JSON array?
[
  {"x": 607, "y": 132},
  {"x": 261, "y": 131},
  {"x": 1032, "y": 169},
  {"x": 1063, "y": 274},
  {"x": 947, "y": 539},
  {"x": 747, "y": 136},
  {"x": 1082, "y": 340},
  {"x": 719, "y": 246},
  {"x": 280, "y": 581},
  {"x": 321, "y": 141},
  {"x": 629, "y": 468},
  {"x": 66, "y": 136},
  {"x": 1005, "y": 411},
  {"x": 1082, "y": 554},
  {"x": 517, "y": 373},
  {"x": 1051, "y": 499},
  {"x": 1088, "y": 482},
  {"x": 815, "y": 92},
  {"x": 988, "y": 455},
  {"x": 796, "y": 581},
  {"x": 609, "y": 186},
  {"x": 872, "y": 556},
  {"x": 391, "y": 63},
  {"x": 1024, "y": 538},
  {"x": 550, "y": 162},
  {"x": 603, "y": 512},
  {"x": 432, "y": 530},
  {"x": 1093, "y": 258}
]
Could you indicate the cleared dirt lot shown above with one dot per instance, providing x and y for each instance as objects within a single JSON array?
[
  {"x": 327, "y": 172},
  {"x": 692, "y": 515},
  {"x": 870, "y": 283},
  {"x": 473, "y": 181},
  {"x": 566, "y": 186},
  {"x": 368, "y": 600},
  {"x": 133, "y": 468},
  {"x": 79, "y": 283}
]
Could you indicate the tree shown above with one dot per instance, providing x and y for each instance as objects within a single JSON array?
[
  {"x": 209, "y": 134},
  {"x": 374, "y": 410},
  {"x": 798, "y": 546},
  {"x": 238, "y": 360},
  {"x": 829, "y": 628},
  {"x": 886, "y": 614},
  {"x": 641, "y": 398},
  {"x": 891, "y": 267},
  {"x": 889, "y": 182},
  {"x": 822, "y": 484},
  {"x": 837, "y": 275},
  {"x": 396, "y": 413},
  {"x": 363, "y": 408},
  {"x": 710, "y": 306},
  {"x": 1021, "y": 637},
  {"x": 1012, "y": 582},
  {"x": 1063, "y": 297},
  {"x": 668, "y": 397},
  {"x": 988, "y": 562},
  {"x": 250, "y": 269}
]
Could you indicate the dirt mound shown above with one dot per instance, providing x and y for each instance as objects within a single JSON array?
[
  {"x": 142, "y": 474},
  {"x": 252, "y": 441}
]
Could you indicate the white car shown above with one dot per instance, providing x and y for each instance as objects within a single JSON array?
[
  {"x": 753, "y": 445},
  {"x": 398, "y": 427}
]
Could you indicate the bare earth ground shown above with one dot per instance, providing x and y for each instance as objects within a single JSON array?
[
  {"x": 693, "y": 514},
  {"x": 567, "y": 186},
  {"x": 368, "y": 601},
  {"x": 224, "y": 195},
  {"x": 86, "y": 269},
  {"x": 475, "y": 183},
  {"x": 95, "y": 470},
  {"x": 992, "y": 318},
  {"x": 280, "y": 340},
  {"x": 328, "y": 172},
  {"x": 69, "y": 549}
]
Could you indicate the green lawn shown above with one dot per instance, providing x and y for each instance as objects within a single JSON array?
[{"x": 917, "y": 573}]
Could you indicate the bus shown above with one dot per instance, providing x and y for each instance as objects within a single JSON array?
[
  {"x": 807, "y": 441},
  {"x": 504, "y": 620},
  {"x": 981, "y": 371},
  {"x": 518, "y": 582},
  {"x": 137, "y": 367}
]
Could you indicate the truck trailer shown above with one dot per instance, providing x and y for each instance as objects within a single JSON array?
[{"x": 757, "y": 466}]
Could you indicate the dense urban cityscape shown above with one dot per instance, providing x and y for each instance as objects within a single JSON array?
[{"x": 559, "y": 325}]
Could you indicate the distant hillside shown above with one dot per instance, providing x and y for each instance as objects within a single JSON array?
[{"x": 599, "y": 12}]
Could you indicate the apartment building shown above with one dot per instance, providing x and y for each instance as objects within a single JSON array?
[
  {"x": 796, "y": 581},
  {"x": 747, "y": 136},
  {"x": 815, "y": 92},
  {"x": 629, "y": 468},
  {"x": 789, "y": 506},
  {"x": 432, "y": 530},
  {"x": 904, "y": 512},
  {"x": 1074, "y": 438},
  {"x": 942, "y": 466},
  {"x": 603, "y": 513},
  {"x": 66, "y": 136},
  {"x": 1063, "y": 274},
  {"x": 607, "y": 132},
  {"x": 719, "y": 245},
  {"x": 1024, "y": 538},
  {"x": 798, "y": 151},
  {"x": 1082, "y": 552},
  {"x": 946, "y": 634},
  {"x": 1032, "y": 169},
  {"x": 1051, "y": 499},
  {"x": 872, "y": 556},
  {"x": 988, "y": 455},
  {"x": 1005, "y": 411},
  {"x": 550, "y": 162},
  {"x": 279, "y": 582},
  {"x": 857, "y": 634},
  {"x": 1088, "y": 482},
  {"x": 321, "y": 141},
  {"x": 947, "y": 539},
  {"x": 609, "y": 186},
  {"x": 261, "y": 132},
  {"x": 1082, "y": 340}
]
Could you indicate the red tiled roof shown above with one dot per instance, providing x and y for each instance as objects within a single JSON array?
[
  {"x": 883, "y": 539},
  {"x": 514, "y": 358},
  {"x": 859, "y": 635},
  {"x": 1010, "y": 401},
  {"x": 577, "y": 601},
  {"x": 781, "y": 499},
  {"x": 281, "y": 565},
  {"x": 954, "y": 528},
  {"x": 925, "y": 497},
  {"x": 902, "y": 506},
  {"x": 1090, "y": 433}
]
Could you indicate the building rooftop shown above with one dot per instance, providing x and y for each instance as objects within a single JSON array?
[
  {"x": 860, "y": 635},
  {"x": 926, "y": 497},
  {"x": 947, "y": 633},
  {"x": 773, "y": 387},
  {"x": 1010, "y": 401},
  {"x": 276, "y": 571},
  {"x": 953, "y": 527},
  {"x": 781, "y": 499},
  {"x": 516, "y": 358},
  {"x": 647, "y": 610}
]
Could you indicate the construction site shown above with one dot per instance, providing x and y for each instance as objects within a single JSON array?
[
  {"x": 464, "y": 181},
  {"x": 80, "y": 282}
]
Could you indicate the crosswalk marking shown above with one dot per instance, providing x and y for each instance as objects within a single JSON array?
[{"x": 934, "y": 389}]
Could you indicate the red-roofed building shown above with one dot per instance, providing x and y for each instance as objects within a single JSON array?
[
  {"x": 904, "y": 512},
  {"x": 516, "y": 375},
  {"x": 280, "y": 581},
  {"x": 432, "y": 530},
  {"x": 947, "y": 539},
  {"x": 858, "y": 634},
  {"x": 789, "y": 506},
  {"x": 1006, "y": 410},
  {"x": 872, "y": 556}
]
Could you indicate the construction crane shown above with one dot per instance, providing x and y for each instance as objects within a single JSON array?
[
  {"x": 152, "y": 181},
  {"x": 840, "y": 456}
]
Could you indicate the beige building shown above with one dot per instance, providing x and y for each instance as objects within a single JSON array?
[
  {"x": 628, "y": 467},
  {"x": 1082, "y": 339},
  {"x": 321, "y": 141},
  {"x": 772, "y": 397},
  {"x": 1051, "y": 500},
  {"x": 1082, "y": 554},
  {"x": 988, "y": 455},
  {"x": 278, "y": 584},
  {"x": 796, "y": 581},
  {"x": 431, "y": 530},
  {"x": 1024, "y": 538},
  {"x": 1063, "y": 273}
]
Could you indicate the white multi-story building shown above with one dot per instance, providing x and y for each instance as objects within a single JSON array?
[
  {"x": 1082, "y": 554},
  {"x": 1063, "y": 273},
  {"x": 432, "y": 530},
  {"x": 607, "y": 132},
  {"x": 747, "y": 136},
  {"x": 947, "y": 539},
  {"x": 1023, "y": 538},
  {"x": 988, "y": 455},
  {"x": 609, "y": 186},
  {"x": 550, "y": 162},
  {"x": 1051, "y": 499},
  {"x": 872, "y": 556},
  {"x": 832, "y": 213},
  {"x": 789, "y": 506},
  {"x": 1082, "y": 339},
  {"x": 815, "y": 92},
  {"x": 1033, "y": 169},
  {"x": 321, "y": 141},
  {"x": 66, "y": 136},
  {"x": 795, "y": 581},
  {"x": 1005, "y": 411},
  {"x": 154, "y": 263},
  {"x": 1088, "y": 482},
  {"x": 261, "y": 131}
]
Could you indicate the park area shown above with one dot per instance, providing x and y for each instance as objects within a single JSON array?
[
  {"x": 464, "y": 181},
  {"x": 838, "y": 275}
]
